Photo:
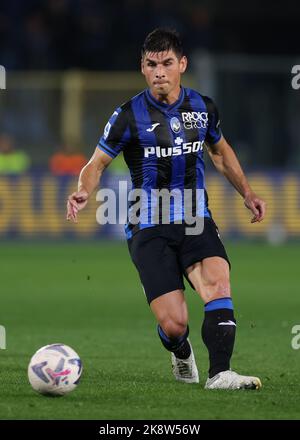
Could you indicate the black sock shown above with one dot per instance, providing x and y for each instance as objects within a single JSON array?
[
  {"x": 218, "y": 334},
  {"x": 179, "y": 346}
]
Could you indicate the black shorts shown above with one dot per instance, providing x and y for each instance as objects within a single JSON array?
[{"x": 162, "y": 254}]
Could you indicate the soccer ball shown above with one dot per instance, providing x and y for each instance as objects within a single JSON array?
[{"x": 54, "y": 370}]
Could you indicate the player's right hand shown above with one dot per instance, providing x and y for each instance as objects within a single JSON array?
[{"x": 75, "y": 203}]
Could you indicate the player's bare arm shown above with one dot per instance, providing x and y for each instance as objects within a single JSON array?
[
  {"x": 88, "y": 181},
  {"x": 227, "y": 163}
]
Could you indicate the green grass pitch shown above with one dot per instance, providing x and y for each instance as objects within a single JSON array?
[{"x": 89, "y": 297}]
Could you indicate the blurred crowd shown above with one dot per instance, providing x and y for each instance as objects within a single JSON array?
[
  {"x": 65, "y": 161},
  {"x": 59, "y": 34},
  {"x": 86, "y": 34},
  {"x": 12, "y": 160},
  {"x": 107, "y": 35}
]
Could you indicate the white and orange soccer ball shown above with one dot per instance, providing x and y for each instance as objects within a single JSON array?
[{"x": 54, "y": 370}]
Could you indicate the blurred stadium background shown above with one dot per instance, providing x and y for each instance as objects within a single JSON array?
[{"x": 69, "y": 63}]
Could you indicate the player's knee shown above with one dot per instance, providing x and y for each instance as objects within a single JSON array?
[{"x": 174, "y": 328}]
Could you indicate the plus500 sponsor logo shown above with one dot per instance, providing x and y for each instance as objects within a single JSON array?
[
  {"x": 185, "y": 148},
  {"x": 195, "y": 119}
]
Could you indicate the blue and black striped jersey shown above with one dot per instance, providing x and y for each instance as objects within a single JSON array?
[{"x": 163, "y": 144}]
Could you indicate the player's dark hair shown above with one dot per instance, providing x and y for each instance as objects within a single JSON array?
[{"x": 161, "y": 40}]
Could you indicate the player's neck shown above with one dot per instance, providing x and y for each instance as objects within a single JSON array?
[{"x": 170, "y": 98}]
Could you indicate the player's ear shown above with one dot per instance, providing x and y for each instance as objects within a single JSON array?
[
  {"x": 183, "y": 64},
  {"x": 142, "y": 66}
]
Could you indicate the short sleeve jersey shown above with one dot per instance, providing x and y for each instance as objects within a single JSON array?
[{"x": 163, "y": 144}]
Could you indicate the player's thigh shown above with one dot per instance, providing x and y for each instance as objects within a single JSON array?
[
  {"x": 156, "y": 262},
  {"x": 206, "y": 263},
  {"x": 210, "y": 278},
  {"x": 171, "y": 312}
]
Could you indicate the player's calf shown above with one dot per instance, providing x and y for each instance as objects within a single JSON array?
[
  {"x": 178, "y": 345},
  {"x": 218, "y": 334},
  {"x": 182, "y": 357}
]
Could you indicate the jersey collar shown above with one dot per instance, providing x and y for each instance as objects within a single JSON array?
[{"x": 163, "y": 105}]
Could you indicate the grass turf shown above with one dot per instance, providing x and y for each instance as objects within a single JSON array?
[{"x": 89, "y": 297}]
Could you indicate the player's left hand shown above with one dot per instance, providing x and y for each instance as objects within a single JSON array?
[{"x": 256, "y": 205}]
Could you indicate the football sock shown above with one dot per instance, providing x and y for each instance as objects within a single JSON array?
[
  {"x": 179, "y": 346},
  {"x": 218, "y": 334}
]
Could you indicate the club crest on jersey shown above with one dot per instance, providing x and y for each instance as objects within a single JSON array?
[{"x": 175, "y": 125}]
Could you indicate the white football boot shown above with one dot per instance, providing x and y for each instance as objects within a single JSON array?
[
  {"x": 185, "y": 370},
  {"x": 230, "y": 380}
]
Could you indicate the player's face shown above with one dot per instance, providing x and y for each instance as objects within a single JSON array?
[{"x": 162, "y": 71}]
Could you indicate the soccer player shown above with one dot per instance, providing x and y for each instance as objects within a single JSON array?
[{"x": 161, "y": 132}]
